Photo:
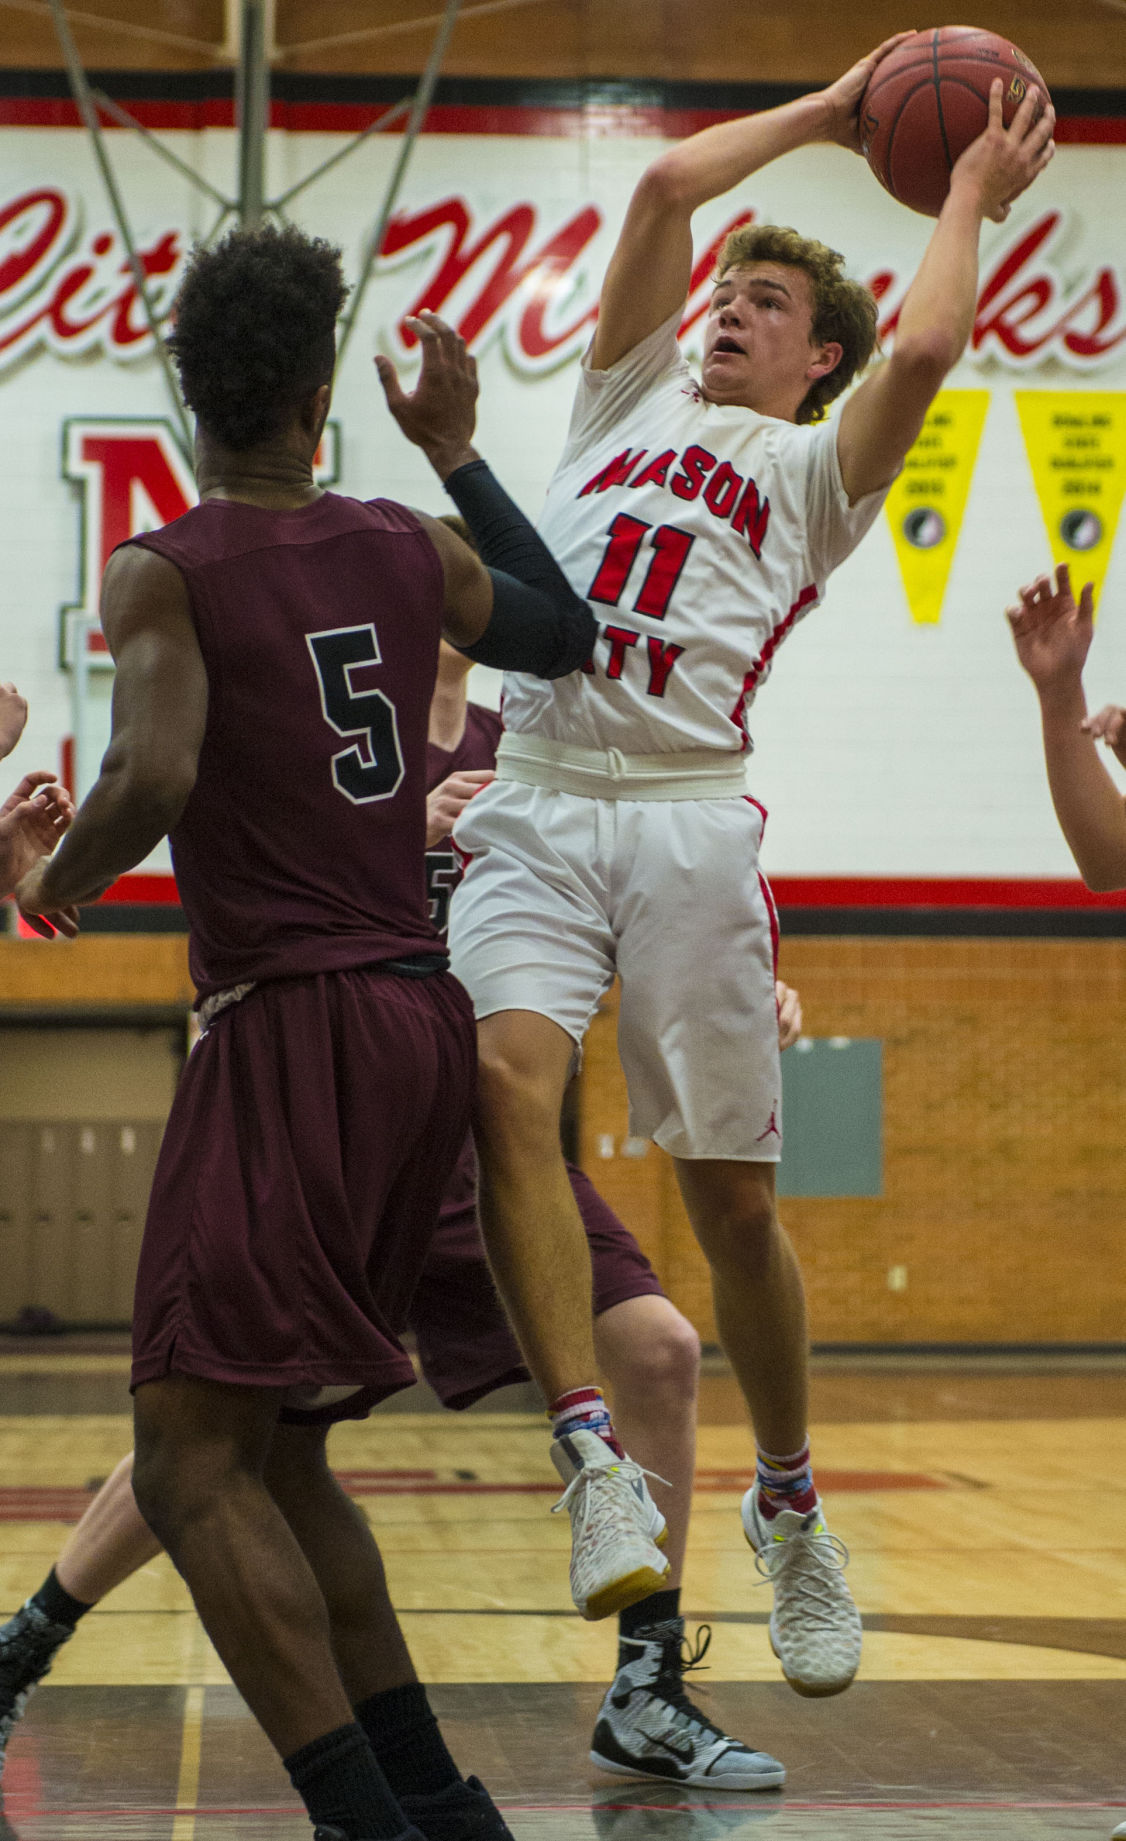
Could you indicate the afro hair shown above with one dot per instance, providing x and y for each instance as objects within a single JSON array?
[{"x": 255, "y": 330}]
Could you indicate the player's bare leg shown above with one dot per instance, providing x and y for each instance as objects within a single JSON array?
[
  {"x": 529, "y": 1218},
  {"x": 649, "y": 1358},
  {"x": 109, "y": 1543},
  {"x": 201, "y": 1449},
  {"x": 334, "y": 1536},
  {"x": 761, "y": 1318},
  {"x": 757, "y": 1291},
  {"x": 540, "y": 1259},
  {"x": 375, "y": 1666}
]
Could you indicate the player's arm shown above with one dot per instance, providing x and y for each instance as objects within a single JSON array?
[
  {"x": 882, "y": 419},
  {"x": 510, "y": 606},
  {"x": 650, "y": 270},
  {"x": 159, "y": 714},
  {"x": 1053, "y": 636}
]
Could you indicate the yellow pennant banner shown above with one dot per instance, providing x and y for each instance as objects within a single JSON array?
[
  {"x": 1076, "y": 442},
  {"x": 927, "y": 503}
]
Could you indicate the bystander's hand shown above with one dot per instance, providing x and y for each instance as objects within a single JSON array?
[
  {"x": 1052, "y": 631},
  {"x": 449, "y": 799},
  {"x": 789, "y": 1014},
  {"x": 32, "y": 820}
]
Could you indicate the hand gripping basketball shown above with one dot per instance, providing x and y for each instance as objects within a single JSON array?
[{"x": 935, "y": 96}]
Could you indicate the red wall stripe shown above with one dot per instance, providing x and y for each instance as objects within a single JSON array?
[
  {"x": 951, "y": 892},
  {"x": 597, "y": 121}
]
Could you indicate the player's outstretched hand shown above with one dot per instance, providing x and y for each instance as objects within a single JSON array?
[
  {"x": 1109, "y": 726},
  {"x": 789, "y": 1014},
  {"x": 1052, "y": 632},
  {"x": 449, "y": 799},
  {"x": 1003, "y": 162},
  {"x": 13, "y": 715},
  {"x": 842, "y": 98},
  {"x": 32, "y": 820},
  {"x": 440, "y": 413}
]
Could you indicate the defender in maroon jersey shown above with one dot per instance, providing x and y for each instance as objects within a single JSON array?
[{"x": 276, "y": 650}]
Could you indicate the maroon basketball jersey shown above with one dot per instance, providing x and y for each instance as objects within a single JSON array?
[
  {"x": 301, "y": 848},
  {"x": 476, "y": 749}
]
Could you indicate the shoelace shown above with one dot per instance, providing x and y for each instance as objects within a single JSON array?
[
  {"x": 813, "y": 1560},
  {"x": 625, "y": 1470},
  {"x": 693, "y": 1659},
  {"x": 670, "y": 1687}
]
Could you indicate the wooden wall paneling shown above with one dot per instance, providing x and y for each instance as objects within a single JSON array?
[
  {"x": 117, "y": 35},
  {"x": 1004, "y": 1129},
  {"x": 780, "y": 41},
  {"x": 129, "y": 970}
]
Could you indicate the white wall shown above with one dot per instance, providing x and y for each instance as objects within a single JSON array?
[{"x": 884, "y": 746}]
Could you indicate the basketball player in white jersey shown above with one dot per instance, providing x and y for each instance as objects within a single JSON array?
[{"x": 702, "y": 520}]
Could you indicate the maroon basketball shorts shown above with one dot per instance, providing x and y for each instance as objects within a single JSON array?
[
  {"x": 299, "y": 1182},
  {"x": 465, "y": 1345}
]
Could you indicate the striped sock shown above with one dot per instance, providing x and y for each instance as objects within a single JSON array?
[
  {"x": 785, "y": 1483},
  {"x": 583, "y": 1409}
]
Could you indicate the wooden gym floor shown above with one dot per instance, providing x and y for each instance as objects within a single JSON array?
[{"x": 992, "y": 1701}]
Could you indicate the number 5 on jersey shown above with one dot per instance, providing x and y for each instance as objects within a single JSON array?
[{"x": 372, "y": 768}]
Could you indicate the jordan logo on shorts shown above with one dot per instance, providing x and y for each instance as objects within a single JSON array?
[{"x": 772, "y": 1127}]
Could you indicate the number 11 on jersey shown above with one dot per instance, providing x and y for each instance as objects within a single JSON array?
[{"x": 670, "y": 547}]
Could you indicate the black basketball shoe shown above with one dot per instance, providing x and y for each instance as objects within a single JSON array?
[
  {"x": 29, "y": 1642},
  {"x": 648, "y": 1727}
]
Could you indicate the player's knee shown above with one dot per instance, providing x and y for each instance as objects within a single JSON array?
[
  {"x": 516, "y": 1102},
  {"x": 656, "y": 1364},
  {"x": 740, "y": 1235},
  {"x": 176, "y": 1481},
  {"x": 669, "y": 1363},
  {"x": 162, "y": 1488}
]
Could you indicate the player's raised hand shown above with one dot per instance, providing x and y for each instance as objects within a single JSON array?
[
  {"x": 1109, "y": 725},
  {"x": 13, "y": 715},
  {"x": 789, "y": 1014},
  {"x": 842, "y": 98},
  {"x": 449, "y": 799},
  {"x": 1052, "y": 631},
  {"x": 1003, "y": 162},
  {"x": 440, "y": 413}
]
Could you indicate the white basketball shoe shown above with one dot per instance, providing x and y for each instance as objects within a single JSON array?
[
  {"x": 814, "y": 1626},
  {"x": 617, "y": 1530}
]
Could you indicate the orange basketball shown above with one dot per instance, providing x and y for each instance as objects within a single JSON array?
[{"x": 929, "y": 98}]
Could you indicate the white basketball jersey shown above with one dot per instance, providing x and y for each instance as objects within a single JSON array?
[{"x": 700, "y": 535}]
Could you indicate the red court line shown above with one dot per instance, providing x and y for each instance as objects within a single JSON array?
[{"x": 70, "y": 1503}]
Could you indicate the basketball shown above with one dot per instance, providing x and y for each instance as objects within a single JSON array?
[{"x": 929, "y": 98}]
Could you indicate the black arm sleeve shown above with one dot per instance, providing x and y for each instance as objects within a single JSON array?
[{"x": 538, "y": 623}]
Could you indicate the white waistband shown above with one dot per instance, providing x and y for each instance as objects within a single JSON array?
[{"x": 607, "y": 773}]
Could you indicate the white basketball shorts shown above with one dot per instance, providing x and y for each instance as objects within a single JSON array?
[{"x": 561, "y": 891}]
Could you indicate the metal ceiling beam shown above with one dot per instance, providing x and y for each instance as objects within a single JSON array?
[{"x": 253, "y": 20}]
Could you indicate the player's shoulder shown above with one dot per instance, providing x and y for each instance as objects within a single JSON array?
[{"x": 388, "y": 514}]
